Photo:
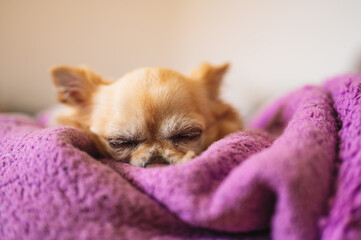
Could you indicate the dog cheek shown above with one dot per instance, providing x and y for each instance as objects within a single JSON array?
[
  {"x": 173, "y": 155},
  {"x": 195, "y": 146},
  {"x": 124, "y": 155}
]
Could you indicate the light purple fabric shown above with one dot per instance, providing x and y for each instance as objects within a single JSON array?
[{"x": 276, "y": 182}]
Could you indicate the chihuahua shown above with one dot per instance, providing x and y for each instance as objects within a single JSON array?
[{"x": 149, "y": 117}]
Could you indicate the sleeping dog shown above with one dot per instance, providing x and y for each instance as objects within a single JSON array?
[{"x": 150, "y": 116}]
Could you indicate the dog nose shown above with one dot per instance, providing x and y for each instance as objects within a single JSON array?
[{"x": 156, "y": 161}]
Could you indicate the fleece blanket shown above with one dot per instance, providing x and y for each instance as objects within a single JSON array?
[{"x": 295, "y": 174}]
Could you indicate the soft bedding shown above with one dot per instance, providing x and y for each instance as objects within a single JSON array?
[{"x": 295, "y": 174}]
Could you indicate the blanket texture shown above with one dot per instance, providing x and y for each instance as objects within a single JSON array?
[{"x": 297, "y": 177}]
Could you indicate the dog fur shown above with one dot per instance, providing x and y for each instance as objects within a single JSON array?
[{"x": 149, "y": 117}]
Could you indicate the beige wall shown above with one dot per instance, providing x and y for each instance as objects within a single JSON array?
[{"x": 273, "y": 45}]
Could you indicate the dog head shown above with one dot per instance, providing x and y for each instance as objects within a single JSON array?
[{"x": 149, "y": 117}]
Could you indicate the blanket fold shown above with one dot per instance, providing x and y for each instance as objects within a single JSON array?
[{"x": 274, "y": 182}]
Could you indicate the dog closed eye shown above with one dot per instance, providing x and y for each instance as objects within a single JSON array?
[
  {"x": 192, "y": 135},
  {"x": 120, "y": 143}
]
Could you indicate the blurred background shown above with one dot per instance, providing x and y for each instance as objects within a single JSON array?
[{"x": 273, "y": 46}]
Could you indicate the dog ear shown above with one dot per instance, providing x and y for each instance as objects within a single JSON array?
[
  {"x": 211, "y": 76},
  {"x": 75, "y": 85}
]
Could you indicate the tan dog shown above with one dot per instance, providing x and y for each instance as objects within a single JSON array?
[{"x": 149, "y": 117}]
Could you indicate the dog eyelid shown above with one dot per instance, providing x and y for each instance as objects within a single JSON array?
[
  {"x": 187, "y": 135},
  {"x": 123, "y": 142}
]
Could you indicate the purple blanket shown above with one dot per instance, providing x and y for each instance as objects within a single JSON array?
[{"x": 297, "y": 177}]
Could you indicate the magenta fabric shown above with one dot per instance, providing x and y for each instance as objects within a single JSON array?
[{"x": 297, "y": 177}]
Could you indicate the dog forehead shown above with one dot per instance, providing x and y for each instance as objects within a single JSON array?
[
  {"x": 144, "y": 99},
  {"x": 152, "y": 89},
  {"x": 153, "y": 74}
]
